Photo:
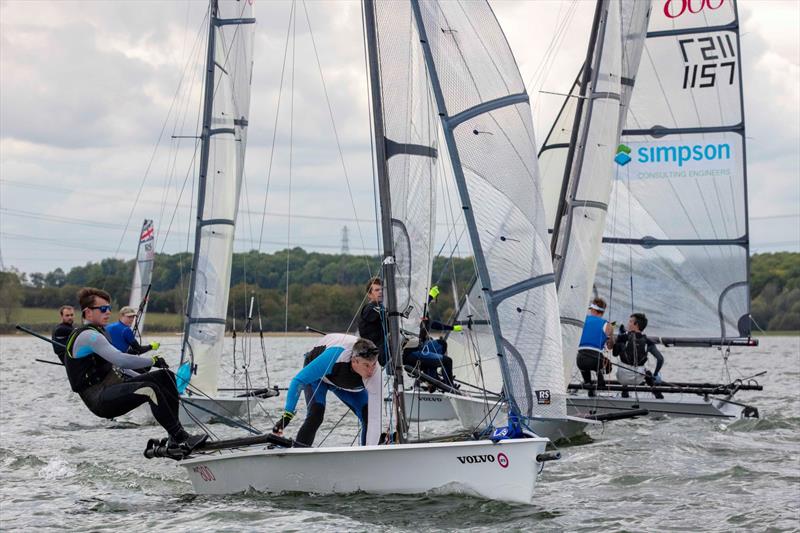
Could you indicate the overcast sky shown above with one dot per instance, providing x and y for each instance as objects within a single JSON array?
[{"x": 86, "y": 88}]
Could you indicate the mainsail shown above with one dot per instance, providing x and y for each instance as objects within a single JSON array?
[
  {"x": 143, "y": 272},
  {"x": 410, "y": 130},
  {"x": 224, "y": 136},
  {"x": 676, "y": 243},
  {"x": 486, "y": 122},
  {"x": 601, "y": 95}
]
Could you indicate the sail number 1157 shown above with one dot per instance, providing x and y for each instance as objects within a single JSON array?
[{"x": 705, "y": 58}]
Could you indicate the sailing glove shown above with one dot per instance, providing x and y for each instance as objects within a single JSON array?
[
  {"x": 158, "y": 362},
  {"x": 434, "y": 292},
  {"x": 283, "y": 422},
  {"x": 155, "y": 345}
]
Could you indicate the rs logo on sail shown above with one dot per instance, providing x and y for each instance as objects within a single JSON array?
[{"x": 683, "y": 153}]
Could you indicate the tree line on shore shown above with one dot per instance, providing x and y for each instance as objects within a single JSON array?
[{"x": 325, "y": 291}]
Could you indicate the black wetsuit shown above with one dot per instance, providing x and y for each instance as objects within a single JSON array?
[
  {"x": 61, "y": 335},
  {"x": 109, "y": 392},
  {"x": 634, "y": 353},
  {"x": 372, "y": 326}
]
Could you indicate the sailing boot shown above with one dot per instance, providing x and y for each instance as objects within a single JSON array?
[{"x": 187, "y": 443}]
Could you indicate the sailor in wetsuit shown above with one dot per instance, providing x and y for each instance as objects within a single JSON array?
[
  {"x": 347, "y": 366},
  {"x": 372, "y": 319},
  {"x": 109, "y": 392},
  {"x": 632, "y": 348},
  {"x": 63, "y": 330},
  {"x": 597, "y": 334},
  {"x": 122, "y": 336},
  {"x": 430, "y": 355}
]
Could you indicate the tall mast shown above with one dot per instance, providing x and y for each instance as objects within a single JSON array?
[
  {"x": 564, "y": 206},
  {"x": 388, "y": 263},
  {"x": 205, "y": 139},
  {"x": 746, "y": 243}
]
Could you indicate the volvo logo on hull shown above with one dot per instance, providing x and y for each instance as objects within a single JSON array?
[{"x": 501, "y": 459}]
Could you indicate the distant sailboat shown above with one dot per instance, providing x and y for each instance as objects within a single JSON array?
[{"x": 142, "y": 274}]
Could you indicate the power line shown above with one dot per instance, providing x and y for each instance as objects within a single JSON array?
[{"x": 186, "y": 206}]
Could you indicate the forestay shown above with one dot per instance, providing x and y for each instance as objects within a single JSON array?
[
  {"x": 486, "y": 120},
  {"x": 225, "y": 118},
  {"x": 410, "y": 130},
  {"x": 677, "y": 242},
  {"x": 143, "y": 271},
  {"x": 587, "y": 141}
]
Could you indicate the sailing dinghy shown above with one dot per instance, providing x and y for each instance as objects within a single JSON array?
[
  {"x": 484, "y": 116},
  {"x": 676, "y": 241}
]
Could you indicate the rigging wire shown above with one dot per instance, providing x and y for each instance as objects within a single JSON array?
[
  {"x": 149, "y": 164},
  {"x": 289, "y": 201},
  {"x": 333, "y": 124},
  {"x": 275, "y": 123}
]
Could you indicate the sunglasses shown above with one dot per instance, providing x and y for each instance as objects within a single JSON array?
[{"x": 102, "y": 308}]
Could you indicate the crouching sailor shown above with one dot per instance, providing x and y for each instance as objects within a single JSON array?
[
  {"x": 347, "y": 366},
  {"x": 112, "y": 383}
]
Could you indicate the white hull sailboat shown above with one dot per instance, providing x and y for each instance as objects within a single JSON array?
[
  {"x": 475, "y": 412},
  {"x": 682, "y": 406},
  {"x": 669, "y": 237},
  {"x": 676, "y": 239},
  {"x": 504, "y": 468},
  {"x": 198, "y": 410},
  {"x": 504, "y": 471},
  {"x": 422, "y": 405}
]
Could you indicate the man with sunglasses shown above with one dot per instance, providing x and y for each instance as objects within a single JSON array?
[
  {"x": 347, "y": 366},
  {"x": 112, "y": 383}
]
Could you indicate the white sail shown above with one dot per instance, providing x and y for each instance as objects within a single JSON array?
[
  {"x": 143, "y": 271},
  {"x": 487, "y": 127},
  {"x": 676, "y": 240},
  {"x": 616, "y": 51},
  {"x": 476, "y": 362},
  {"x": 226, "y": 112},
  {"x": 410, "y": 130}
]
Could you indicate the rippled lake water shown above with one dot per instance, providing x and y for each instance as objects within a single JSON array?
[{"x": 62, "y": 468}]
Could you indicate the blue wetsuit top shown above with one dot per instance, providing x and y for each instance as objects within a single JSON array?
[
  {"x": 333, "y": 367},
  {"x": 121, "y": 336},
  {"x": 594, "y": 334}
]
